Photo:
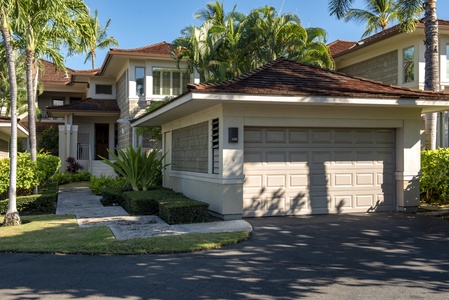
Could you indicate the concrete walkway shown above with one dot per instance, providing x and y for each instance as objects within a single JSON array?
[{"x": 89, "y": 211}]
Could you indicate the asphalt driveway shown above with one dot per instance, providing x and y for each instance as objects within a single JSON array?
[{"x": 363, "y": 256}]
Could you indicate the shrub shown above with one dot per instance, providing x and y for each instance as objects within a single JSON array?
[
  {"x": 112, "y": 196},
  {"x": 33, "y": 204},
  {"x": 182, "y": 210},
  {"x": 49, "y": 140},
  {"x": 142, "y": 171},
  {"x": 98, "y": 184},
  {"x": 26, "y": 175},
  {"x": 434, "y": 181},
  {"x": 172, "y": 207},
  {"x": 140, "y": 203},
  {"x": 65, "y": 177},
  {"x": 72, "y": 165},
  {"x": 47, "y": 166}
]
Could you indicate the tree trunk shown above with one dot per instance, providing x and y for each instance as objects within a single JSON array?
[
  {"x": 432, "y": 71},
  {"x": 31, "y": 99},
  {"x": 12, "y": 217}
]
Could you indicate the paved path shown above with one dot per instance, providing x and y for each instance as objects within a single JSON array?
[
  {"x": 361, "y": 256},
  {"x": 89, "y": 211}
]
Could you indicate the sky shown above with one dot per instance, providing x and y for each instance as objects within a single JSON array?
[{"x": 138, "y": 23}]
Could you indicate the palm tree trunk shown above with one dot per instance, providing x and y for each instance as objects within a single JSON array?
[
  {"x": 12, "y": 217},
  {"x": 432, "y": 71}
]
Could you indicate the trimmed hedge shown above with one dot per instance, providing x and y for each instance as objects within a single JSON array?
[
  {"x": 141, "y": 203},
  {"x": 33, "y": 204},
  {"x": 183, "y": 210},
  {"x": 112, "y": 196},
  {"x": 172, "y": 207}
]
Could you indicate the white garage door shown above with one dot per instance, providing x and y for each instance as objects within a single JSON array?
[{"x": 291, "y": 171}]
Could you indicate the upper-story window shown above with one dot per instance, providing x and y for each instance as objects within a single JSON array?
[
  {"x": 105, "y": 89},
  {"x": 409, "y": 64},
  {"x": 140, "y": 81},
  {"x": 169, "y": 82},
  {"x": 57, "y": 101}
]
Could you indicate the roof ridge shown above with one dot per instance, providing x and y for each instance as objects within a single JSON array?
[
  {"x": 140, "y": 48},
  {"x": 199, "y": 86}
]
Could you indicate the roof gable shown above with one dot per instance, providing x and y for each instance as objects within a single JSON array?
[{"x": 340, "y": 48}]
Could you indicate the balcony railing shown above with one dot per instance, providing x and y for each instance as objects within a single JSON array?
[{"x": 83, "y": 152}]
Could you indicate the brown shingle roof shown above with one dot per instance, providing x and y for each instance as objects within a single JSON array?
[
  {"x": 52, "y": 75},
  {"x": 284, "y": 77},
  {"x": 394, "y": 30},
  {"x": 339, "y": 46},
  {"x": 160, "y": 49},
  {"x": 87, "y": 104}
]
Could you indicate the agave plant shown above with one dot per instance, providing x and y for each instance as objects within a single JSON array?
[{"x": 142, "y": 171}]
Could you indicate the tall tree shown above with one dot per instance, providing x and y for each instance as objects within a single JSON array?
[
  {"x": 227, "y": 45},
  {"x": 408, "y": 9},
  {"x": 96, "y": 37},
  {"x": 7, "y": 10},
  {"x": 377, "y": 15},
  {"x": 43, "y": 27}
]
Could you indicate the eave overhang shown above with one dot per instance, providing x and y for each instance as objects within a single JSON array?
[{"x": 193, "y": 102}]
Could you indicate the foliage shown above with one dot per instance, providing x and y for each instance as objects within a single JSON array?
[
  {"x": 49, "y": 140},
  {"x": 228, "y": 45},
  {"x": 73, "y": 166},
  {"x": 140, "y": 203},
  {"x": 142, "y": 171},
  {"x": 112, "y": 196},
  {"x": 47, "y": 166},
  {"x": 99, "y": 183},
  {"x": 33, "y": 204},
  {"x": 377, "y": 16},
  {"x": 96, "y": 37},
  {"x": 26, "y": 174},
  {"x": 434, "y": 179},
  {"x": 172, "y": 207},
  {"x": 65, "y": 177},
  {"x": 182, "y": 210}
]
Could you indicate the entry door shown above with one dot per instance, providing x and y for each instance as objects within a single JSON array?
[{"x": 101, "y": 140}]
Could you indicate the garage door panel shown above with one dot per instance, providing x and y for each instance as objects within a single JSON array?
[
  {"x": 353, "y": 172},
  {"x": 276, "y": 157},
  {"x": 364, "y": 201},
  {"x": 274, "y": 181},
  {"x": 299, "y": 180},
  {"x": 275, "y": 136},
  {"x": 298, "y": 136},
  {"x": 321, "y": 136}
]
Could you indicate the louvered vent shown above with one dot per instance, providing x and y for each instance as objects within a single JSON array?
[{"x": 215, "y": 146}]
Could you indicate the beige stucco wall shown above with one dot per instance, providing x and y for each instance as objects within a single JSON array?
[{"x": 224, "y": 190}]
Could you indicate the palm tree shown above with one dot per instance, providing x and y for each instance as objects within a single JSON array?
[
  {"x": 12, "y": 217},
  {"x": 228, "y": 45},
  {"x": 377, "y": 16},
  {"x": 408, "y": 10},
  {"x": 96, "y": 37},
  {"x": 42, "y": 29}
]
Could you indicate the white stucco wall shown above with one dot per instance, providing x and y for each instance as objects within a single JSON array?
[{"x": 224, "y": 191}]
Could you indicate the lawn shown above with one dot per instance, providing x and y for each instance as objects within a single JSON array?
[{"x": 61, "y": 234}]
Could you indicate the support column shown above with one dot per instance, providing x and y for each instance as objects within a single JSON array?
[{"x": 408, "y": 166}]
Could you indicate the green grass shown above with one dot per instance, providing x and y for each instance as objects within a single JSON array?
[{"x": 60, "y": 234}]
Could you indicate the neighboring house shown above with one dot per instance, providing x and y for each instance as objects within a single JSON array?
[
  {"x": 5, "y": 135},
  {"x": 397, "y": 58},
  {"x": 290, "y": 139},
  {"x": 96, "y": 106}
]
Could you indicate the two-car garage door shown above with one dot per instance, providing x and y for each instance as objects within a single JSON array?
[{"x": 290, "y": 171}]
